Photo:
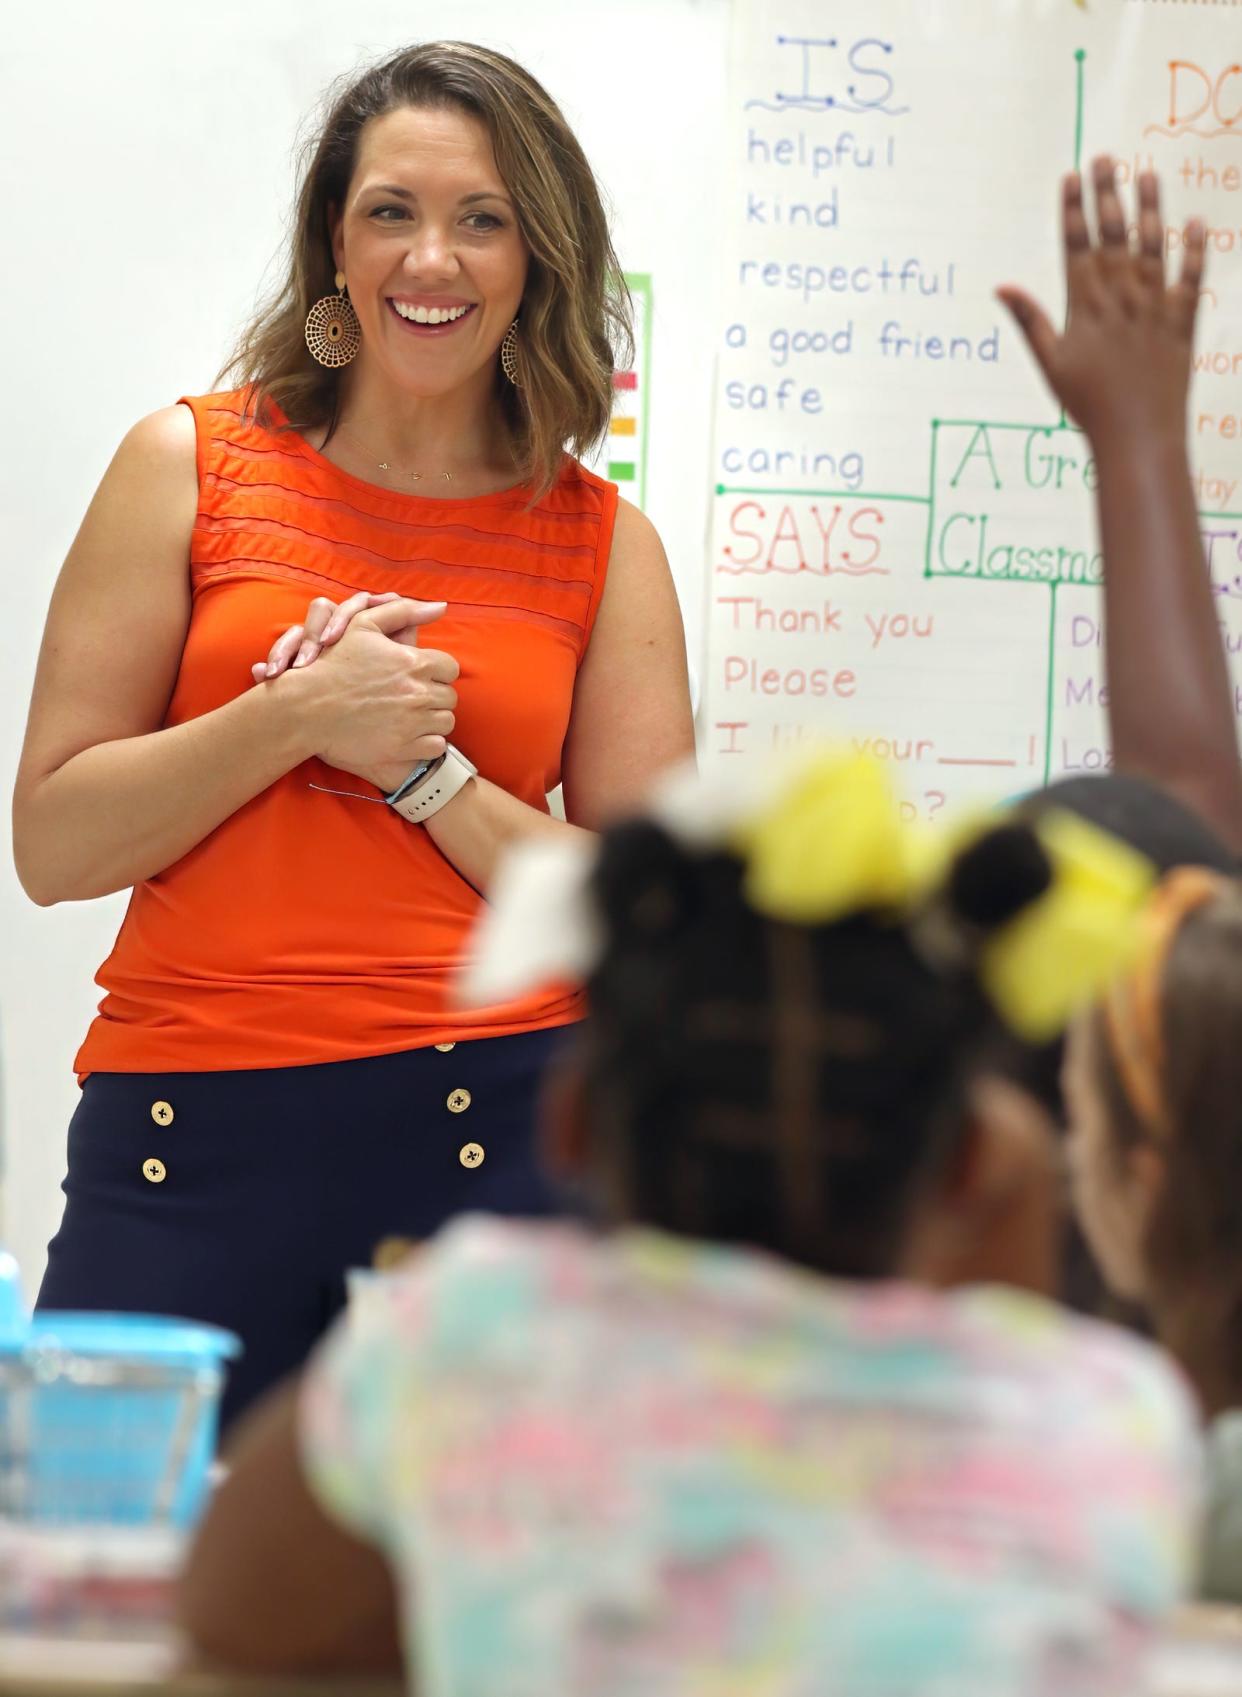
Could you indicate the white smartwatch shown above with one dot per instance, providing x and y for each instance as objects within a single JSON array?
[{"x": 421, "y": 797}]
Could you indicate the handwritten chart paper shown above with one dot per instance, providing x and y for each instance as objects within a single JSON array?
[{"x": 902, "y": 547}]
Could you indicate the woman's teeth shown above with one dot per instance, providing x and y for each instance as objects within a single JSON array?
[{"x": 430, "y": 314}]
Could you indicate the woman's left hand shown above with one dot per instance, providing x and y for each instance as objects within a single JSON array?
[{"x": 325, "y": 623}]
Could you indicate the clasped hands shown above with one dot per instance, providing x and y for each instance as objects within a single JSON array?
[{"x": 379, "y": 702}]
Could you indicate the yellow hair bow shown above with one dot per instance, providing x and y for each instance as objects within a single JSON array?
[
  {"x": 832, "y": 843},
  {"x": 1054, "y": 956}
]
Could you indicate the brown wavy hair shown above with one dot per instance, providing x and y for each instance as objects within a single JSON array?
[
  {"x": 575, "y": 316},
  {"x": 1192, "y": 1251}
]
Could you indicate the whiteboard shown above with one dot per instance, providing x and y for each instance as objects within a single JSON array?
[{"x": 902, "y": 545}]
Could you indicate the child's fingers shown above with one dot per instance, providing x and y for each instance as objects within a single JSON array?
[
  {"x": 1120, "y": 276},
  {"x": 1110, "y": 217},
  {"x": 1151, "y": 231},
  {"x": 1079, "y": 269},
  {"x": 1036, "y": 327},
  {"x": 1194, "y": 253}
]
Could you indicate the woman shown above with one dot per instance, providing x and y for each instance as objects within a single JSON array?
[
  {"x": 277, "y": 1080},
  {"x": 816, "y": 1469}
]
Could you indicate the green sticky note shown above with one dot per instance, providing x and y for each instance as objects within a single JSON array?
[{"x": 622, "y": 471}]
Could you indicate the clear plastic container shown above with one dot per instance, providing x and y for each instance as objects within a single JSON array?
[{"x": 108, "y": 1419}]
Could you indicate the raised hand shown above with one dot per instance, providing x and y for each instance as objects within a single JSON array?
[
  {"x": 1121, "y": 368},
  {"x": 1122, "y": 365}
]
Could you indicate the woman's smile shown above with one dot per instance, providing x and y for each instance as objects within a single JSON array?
[{"x": 429, "y": 318}]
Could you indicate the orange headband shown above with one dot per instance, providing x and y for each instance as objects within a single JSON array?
[{"x": 1132, "y": 1007}]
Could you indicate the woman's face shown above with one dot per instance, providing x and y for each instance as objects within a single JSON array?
[
  {"x": 1109, "y": 1196},
  {"x": 428, "y": 231}
]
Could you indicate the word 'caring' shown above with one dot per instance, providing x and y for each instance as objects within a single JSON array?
[{"x": 814, "y": 465}]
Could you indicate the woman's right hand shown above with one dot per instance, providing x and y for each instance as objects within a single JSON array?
[{"x": 377, "y": 701}]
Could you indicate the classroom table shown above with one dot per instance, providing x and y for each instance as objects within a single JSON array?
[{"x": 1200, "y": 1657}]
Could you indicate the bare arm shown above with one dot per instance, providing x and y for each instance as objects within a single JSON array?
[
  {"x": 1170, "y": 695},
  {"x": 104, "y": 797},
  {"x": 1122, "y": 370},
  {"x": 271, "y": 1583},
  {"x": 630, "y": 717}
]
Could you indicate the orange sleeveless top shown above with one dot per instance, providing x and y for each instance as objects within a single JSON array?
[{"x": 310, "y": 927}]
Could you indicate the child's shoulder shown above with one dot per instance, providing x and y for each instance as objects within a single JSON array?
[
  {"x": 486, "y": 1246},
  {"x": 1096, "y": 1371}
]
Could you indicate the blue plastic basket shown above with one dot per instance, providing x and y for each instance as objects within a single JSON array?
[{"x": 109, "y": 1418}]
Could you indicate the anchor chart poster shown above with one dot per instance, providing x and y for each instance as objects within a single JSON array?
[{"x": 902, "y": 548}]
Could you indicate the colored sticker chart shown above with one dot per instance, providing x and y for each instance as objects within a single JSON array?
[
  {"x": 623, "y": 456},
  {"x": 902, "y": 549}
]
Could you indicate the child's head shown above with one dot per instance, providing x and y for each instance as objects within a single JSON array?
[
  {"x": 1150, "y": 820},
  {"x": 820, "y": 1086},
  {"x": 798, "y": 1088},
  {"x": 1153, "y": 1082}
]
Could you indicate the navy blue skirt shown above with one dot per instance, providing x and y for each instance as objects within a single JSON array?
[{"x": 242, "y": 1198}]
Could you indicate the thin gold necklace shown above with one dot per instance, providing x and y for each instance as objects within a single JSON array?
[{"x": 386, "y": 465}]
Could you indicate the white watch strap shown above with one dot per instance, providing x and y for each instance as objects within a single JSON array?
[{"x": 437, "y": 789}]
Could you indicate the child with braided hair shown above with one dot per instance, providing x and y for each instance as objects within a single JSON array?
[{"x": 786, "y": 1412}]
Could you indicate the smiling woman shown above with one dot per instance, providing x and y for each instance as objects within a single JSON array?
[
  {"x": 448, "y": 177},
  {"x": 279, "y": 1083}
]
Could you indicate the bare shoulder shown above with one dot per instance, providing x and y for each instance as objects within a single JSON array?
[
  {"x": 639, "y": 577},
  {"x": 143, "y": 512},
  {"x": 636, "y": 559},
  {"x": 163, "y": 444},
  {"x": 634, "y": 534},
  {"x": 139, "y": 524}
]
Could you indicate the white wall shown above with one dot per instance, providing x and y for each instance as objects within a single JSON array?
[{"x": 145, "y": 173}]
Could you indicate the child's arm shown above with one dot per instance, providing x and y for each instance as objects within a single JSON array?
[
  {"x": 271, "y": 1583},
  {"x": 1121, "y": 369}
]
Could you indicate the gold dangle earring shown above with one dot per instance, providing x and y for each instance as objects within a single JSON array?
[
  {"x": 508, "y": 355},
  {"x": 333, "y": 333}
]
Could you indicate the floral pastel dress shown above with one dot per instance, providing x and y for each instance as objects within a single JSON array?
[{"x": 639, "y": 1466}]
